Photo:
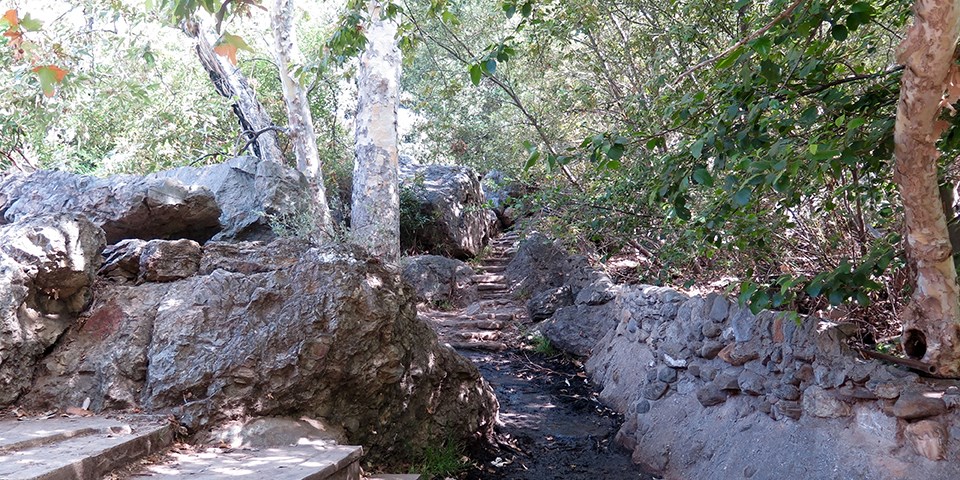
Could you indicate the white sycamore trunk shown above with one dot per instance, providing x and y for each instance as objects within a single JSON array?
[
  {"x": 375, "y": 213},
  {"x": 931, "y": 323},
  {"x": 299, "y": 119}
]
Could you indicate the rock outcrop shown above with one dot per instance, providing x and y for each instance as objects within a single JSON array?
[
  {"x": 241, "y": 199},
  {"x": 47, "y": 265},
  {"x": 456, "y": 221},
  {"x": 440, "y": 281},
  {"x": 325, "y": 333}
]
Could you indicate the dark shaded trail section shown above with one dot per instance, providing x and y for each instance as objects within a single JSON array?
[{"x": 552, "y": 425}]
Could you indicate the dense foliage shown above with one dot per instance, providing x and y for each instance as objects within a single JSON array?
[{"x": 740, "y": 139}]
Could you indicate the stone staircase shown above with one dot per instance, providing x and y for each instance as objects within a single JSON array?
[
  {"x": 490, "y": 323},
  {"x": 54, "y": 447},
  {"x": 77, "y": 448}
]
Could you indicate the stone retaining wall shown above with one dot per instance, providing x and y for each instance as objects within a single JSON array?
[{"x": 710, "y": 390}]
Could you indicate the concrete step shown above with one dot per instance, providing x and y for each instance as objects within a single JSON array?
[
  {"x": 492, "y": 287},
  {"x": 296, "y": 462},
  {"x": 66, "y": 448},
  {"x": 492, "y": 269},
  {"x": 489, "y": 278}
]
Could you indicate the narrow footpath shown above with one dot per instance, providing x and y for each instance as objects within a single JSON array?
[{"x": 552, "y": 425}]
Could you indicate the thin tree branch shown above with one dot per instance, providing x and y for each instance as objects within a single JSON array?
[{"x": 786, "y": 13}]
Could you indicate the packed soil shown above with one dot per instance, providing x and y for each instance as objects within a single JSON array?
[{"x": 552, "y": 425}]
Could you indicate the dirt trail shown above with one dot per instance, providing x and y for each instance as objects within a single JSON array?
[{"x": 552, "y": 425}]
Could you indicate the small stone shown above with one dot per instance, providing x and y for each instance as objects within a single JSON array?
[
  {"x": 787, "y": 409},
  {"x": 855, "y": 393},
  {"x": 802, "y": 375},
  {"x": 708, "y": 372},
  {"x": 913, "y": 406},
  {"x": 737, "y": 354},
  {"x": 694, "y": 370},
  {"x": 823, "y": 404},
  {"x": 719, "y": 309},
  {"x": 749, "y": 471},
  {"x": 787, "y": 392},
  {"x": 168, "y": 260},
  {"x": 886, "y": 390},
  {"x": 710, "y": 395},
  {"x": 928, "y": 438},
  {"x": 710, "y": 349},
  {"x": 711, "y": 330},
  {"x": 727, "y": 380},
  {"x": 642, "y": 406},
  {"x": 651, "y": 375},
  {"x": 764, "y": 407},
  {"x": 750, "y": 382},
  {"x": 667, "y": 374},
  {"x": 675, "y": 362},
  {"x": 655, "y": 390}
]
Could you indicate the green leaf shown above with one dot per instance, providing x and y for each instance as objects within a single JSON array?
[
  {"x": 490, "y": 66},
  {"x": 702, "y": 176},
  {"x": 526, "y": 9},
  {"x": 697, "y": 148},
  {"x": 615, "y": 152},
  {"x": 836, "y": 297},
  {"x": 30, "y": 24},
  {"x": 730, "y": 59},
  {"x": 742, "y": 197},
  {"x": 856, "y": 123},
  {"x": 476, "y": 73},
  {"x": 839, "y": 32},
  {"x": 534, "y": 156},
  {"x": 761, "y": 45}
]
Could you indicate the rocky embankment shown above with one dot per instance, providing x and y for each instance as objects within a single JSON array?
[{"x": 710, "y": 390}]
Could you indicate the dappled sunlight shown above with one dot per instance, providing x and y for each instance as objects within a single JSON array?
[{"x": 305, "y": 458}]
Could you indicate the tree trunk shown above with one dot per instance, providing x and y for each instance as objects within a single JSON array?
[
  {"x": 230, "y": 83},
  {"x": 375, "y": 215},
  {"x": 300, "y": 121},
  {"x": 931, "y": 323}
]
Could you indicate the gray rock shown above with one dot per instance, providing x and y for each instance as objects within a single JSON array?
[
  {"x": 710, "y": 395},
  {"x": 710, "y": 349},
  {"x": 711, "y": 330},
  {"x": 122, "y": 260},
  {"x": 642, "y": 406},
  {"x": 333, "y": 336},
  {"x": 916, "y": 405},
  {"x": 787, "y": 409},
  {"x": 787, "y": 391},
  {"x": 47, "y": 266},
  {"x": 728, "y": 379},
  {"x": 543, "y": 305},
  {"x": 751, "y": 382},
  {"x": 450, "y": 197},
  {"x": 719, "y": 306},
  {"x": 538, "y": 265},
  {"x": 823, "y": 404},
  {"x": 577, "y": 329},
  {"x": 667, "y": 374},
  {"x": 168, "y": 260},
  {"x": 440, "y": 280},
  {"x": 655, "y": 390},
  {"x": 597, "y": 292}
]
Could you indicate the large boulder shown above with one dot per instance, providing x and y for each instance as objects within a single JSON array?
[
  {"x": 440, "y": 281},
  {"x": 451, "y": 215},
  {"x": 47, "y": 265},
  {"x": 322, "y": 333},
  {"x": 241, "y": 199}
]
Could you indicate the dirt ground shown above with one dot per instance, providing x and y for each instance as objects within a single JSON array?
[{"x": 553, "y": 426}]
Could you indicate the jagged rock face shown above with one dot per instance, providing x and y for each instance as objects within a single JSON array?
[
  {"x": 322, "y": 333},
  {"x": 451, "y": 198},
  {"x": 440, "y": 280},
  {"x": 241, "y": 199},
  {"x": 47, "y": 265}
]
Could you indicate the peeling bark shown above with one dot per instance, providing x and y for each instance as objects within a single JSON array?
[
  {"x": 375, "y": 215},
  {"x": 931, "y": 323},
  {"x": 299, "y": 118},
  {"x": 230, "y": 83}
]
